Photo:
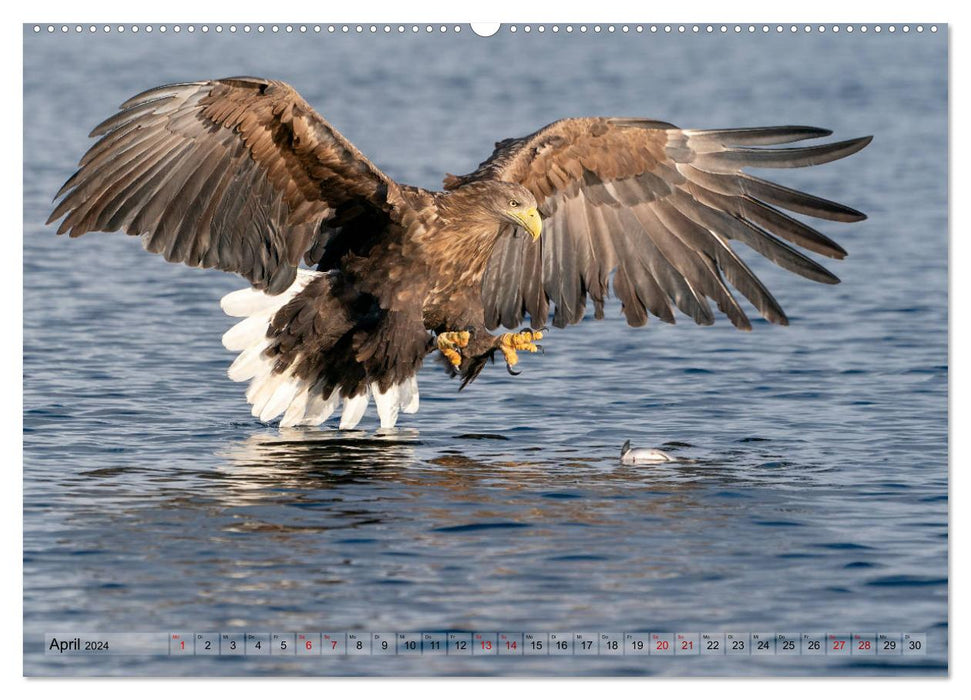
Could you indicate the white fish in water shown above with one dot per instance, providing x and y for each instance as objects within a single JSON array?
[{"x": 642, "y": 455}]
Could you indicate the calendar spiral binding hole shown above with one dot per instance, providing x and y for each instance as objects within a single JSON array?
[{"x": 512, "y": 28}]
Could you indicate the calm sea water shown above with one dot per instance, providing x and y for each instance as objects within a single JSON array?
[{"x": 811, "y": 494}]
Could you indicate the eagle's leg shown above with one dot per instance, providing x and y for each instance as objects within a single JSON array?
[
  {"x": 510, "y": 343},
  {"x": 451, "y": 343}
]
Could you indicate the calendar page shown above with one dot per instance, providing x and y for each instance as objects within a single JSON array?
[{"x": 437, "y": 349}]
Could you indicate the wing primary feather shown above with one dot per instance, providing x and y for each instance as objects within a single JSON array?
[
  {"x": 603, "y": 259},
  {"x": 500, "y": 280},
  {"x": 706, "y": 210},
  {"x": 791, "y": 229},
  {"x": 631, "y": 306},
  {"x": 89, "y": 184},
  {"x": 134, "y": 214},
  {"x": 756, "y": 136},
  {"x": 160, "y": 92},
  {"x": 126, "y": 116},
  {"x": 182, "y": 218},
  {"x": 749, "y": 209},
  {"x": 163, "y": 200},
  {"x": 738, "y": 183},
  {"x": 649, "y": 272},
  {"x": 799, "y": 202},
  {"x": 535, "y": 301},
  {"x": 780, "y": 157},
  {"x": 676, "y": 266},
  {"x": 691, "y": 249},
  {"x": 734, "y": 268},
  {"x": 128, "y": 191},
  {"x": 114, "y": 145},
  {"x": 564, "y": 287},
  {"x": 508, "y": 299}
]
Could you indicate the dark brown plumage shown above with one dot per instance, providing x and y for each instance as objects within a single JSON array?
[{"x": 242, "y": 175}]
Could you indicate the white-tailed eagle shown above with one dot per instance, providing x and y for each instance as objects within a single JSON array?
[{"x": 241, "y": 174}]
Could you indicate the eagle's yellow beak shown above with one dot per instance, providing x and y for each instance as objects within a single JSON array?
[{"x": 531, "y": 221}]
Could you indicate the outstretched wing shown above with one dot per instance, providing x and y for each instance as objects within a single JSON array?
[
  {"x": 658, "y": 207},
  {"x": 238, "y": 174}
]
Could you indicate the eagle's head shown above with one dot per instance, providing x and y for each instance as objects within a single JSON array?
[{"x": 516, "y": 205}]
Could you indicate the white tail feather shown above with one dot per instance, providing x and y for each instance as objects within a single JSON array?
[
  {"x": 295, "y": 412},
  {"x": 249, "y": 363},
  {"x": 387, "y": 404},
  {"x": 260, "y": 392},
  {"x": 275, "y": 393},
  {"x": 246, "y": 302},
  {"x": 281, "y": 399},
  {"x": 354, "y": 409},
  {"x": 409, "y": 395},
  {"x": 320, "y": 409},
  {"x": 248, "y": 331},
  {"x": 250, "y": 301}
]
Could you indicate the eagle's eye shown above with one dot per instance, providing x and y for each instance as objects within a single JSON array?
[{"x": 513, "y": 203}]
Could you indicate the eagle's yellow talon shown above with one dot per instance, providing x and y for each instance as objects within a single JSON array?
[
  {"x": 453, "y": 356},
  {"x": 509, "y": 343},
  {"x": 448, "y": 342},
  {"x": 511, "y": 357}
]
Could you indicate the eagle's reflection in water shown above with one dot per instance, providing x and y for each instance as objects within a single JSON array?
[
  {"x": 312, "y": 459},
  {"x": 291, "y": 459},
  {"x": 454, "y": 482},
  {"x": 324, "y": 450},
  {"x": 397, "y": 458}
]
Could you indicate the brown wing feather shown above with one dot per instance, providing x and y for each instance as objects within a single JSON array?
[
  {"x": 238, "y": 174},
  {"x": 656, "y": 206}
]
